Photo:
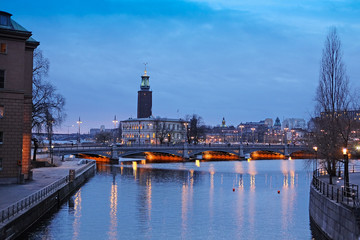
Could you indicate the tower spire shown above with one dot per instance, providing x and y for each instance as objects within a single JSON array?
[{"x": 145, "y": 69}]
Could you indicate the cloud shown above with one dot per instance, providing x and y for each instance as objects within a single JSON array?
[{"x": 244, "y": 60}]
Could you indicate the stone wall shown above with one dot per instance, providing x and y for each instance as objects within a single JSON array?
[{"x": 334, "y": 219}]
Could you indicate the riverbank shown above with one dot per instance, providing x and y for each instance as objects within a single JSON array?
[
  {"x": 22, "y": 205},
  {"x": 335, "y": 215}
]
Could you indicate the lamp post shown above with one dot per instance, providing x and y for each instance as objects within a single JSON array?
[
  {"x": 79, "y": 122},
  {"x": 315, "y": 149},
  {"x": 139, "y": 132},
  {"x": 253, "y": 130},
  {"x": 241, "y": 129},
  {"x": 115, "y": 122},
  {"x": 187, "y": 132},
  {"x": 292, "y": 136},
  {"x": 285, "y": 135},
  {"x": 52, "y": 154},
  {"x": 346, "y": 169}
]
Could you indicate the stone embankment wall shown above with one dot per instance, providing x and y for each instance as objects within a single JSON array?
[
  {"x": 333, "y": 219},
  {"x": 27, "y": 218}
]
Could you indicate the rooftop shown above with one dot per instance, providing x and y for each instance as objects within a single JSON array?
[{"x": 7, "y": 23}]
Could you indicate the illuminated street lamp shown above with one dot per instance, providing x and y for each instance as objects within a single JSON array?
[
  {"x": 241, "y": 128},
  {"x": 253, "y": 130},
  {"x": 79, "y": 122},
  {"x": 292, "y": 135},
  {"x": 115, "y": 122},
  {"x": 52, "y": 154},
  {"x": 315, "y": 149},
  {"x": 187, "y": 132},
  {"x": 285, "y": 135},
  {"x": 346, "y": 169}
]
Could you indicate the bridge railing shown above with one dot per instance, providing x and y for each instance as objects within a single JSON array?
[
  {"x": 75, "y": 148},
  {"x": 345, "y": 195},
  {"x": 33, "y": 199}
]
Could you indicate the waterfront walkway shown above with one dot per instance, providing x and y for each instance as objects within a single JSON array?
[
  {"x": 42, "y": 177},
  {"x": 336, "y": 190},
  {"x": 354, "y": 178}
]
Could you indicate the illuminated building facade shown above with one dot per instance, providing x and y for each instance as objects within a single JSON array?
[
  {"x": 153, "y": 131},
  {"x": 16, "y": 65}
]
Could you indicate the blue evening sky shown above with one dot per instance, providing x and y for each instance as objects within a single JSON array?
[{"x": 244, "y": 60}]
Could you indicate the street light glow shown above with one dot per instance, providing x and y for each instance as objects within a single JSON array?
[{"x": 344, "y": 151}]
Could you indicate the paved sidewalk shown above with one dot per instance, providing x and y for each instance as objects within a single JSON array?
[
  {"x": 42, "y": 177},
  {"x": 354, "y": 178}
]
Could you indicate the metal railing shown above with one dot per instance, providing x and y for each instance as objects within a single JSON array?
[
  {"x": 345, "y": 195},
  {"x": 31, "y": 200}
]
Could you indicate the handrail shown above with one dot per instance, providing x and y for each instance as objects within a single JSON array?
[
  {"x": 27, "y": 202},
  {"x": 345, "y": 195}
]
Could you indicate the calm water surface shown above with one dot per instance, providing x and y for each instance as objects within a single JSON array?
[{"x": 187, "y": 201}]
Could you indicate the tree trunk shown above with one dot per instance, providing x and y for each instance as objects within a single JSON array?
[{"x": 36, "y": 146}]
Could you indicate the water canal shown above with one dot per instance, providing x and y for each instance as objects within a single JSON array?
[{"x": 192, "y": 200}]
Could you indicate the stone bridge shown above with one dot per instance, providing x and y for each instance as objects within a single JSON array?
[{"x": 182, "y": 150}]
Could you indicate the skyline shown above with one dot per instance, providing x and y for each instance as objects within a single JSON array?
[{"x": 243, "y": 61}]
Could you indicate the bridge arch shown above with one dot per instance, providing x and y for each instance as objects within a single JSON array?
[
  {"x": 97, "y": 157},
  {"x": 155, "y": 155},
  {"x": 262, "y": 155},
  {"x": 302, "y": 154}
]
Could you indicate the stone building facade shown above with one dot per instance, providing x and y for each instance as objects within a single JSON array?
[
  {"x": 153, "y": 131},
  {"x": 16, "y": 65}
]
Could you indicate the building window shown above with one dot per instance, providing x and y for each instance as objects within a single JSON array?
[
  {"x": 2, "y": 47},
  {"x": 4, "y": 20},
  {"x": 0, "y": 164},
  {"x": 1, "y": 137},
  {"x": 1, "y": 111},
  {"x": 2, "y": 78}
]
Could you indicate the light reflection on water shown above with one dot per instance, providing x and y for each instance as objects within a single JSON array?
[{"x": 193, "y": 200}]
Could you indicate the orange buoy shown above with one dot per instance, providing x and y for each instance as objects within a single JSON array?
[
  {"x": 233, "y": 189},
  {"x": 278, "y": 191}
]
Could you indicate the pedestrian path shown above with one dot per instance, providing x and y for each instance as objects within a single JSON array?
[
  {"x": 42, "y": 177},
  {"x": 354, "y": 178}
]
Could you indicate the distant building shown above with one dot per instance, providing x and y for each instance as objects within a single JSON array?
[
  {"x": 153, "y": 131},
  {"x": 222, "y": 134},
  {"x": 144, "y": 107},
  {"x": 16, "y": 65},
  {"x": 145, "y": 129},
  {"x": 292, "y": 123},
  {"x": 351, "y": 114},
  {"x": 94, "y": 131},
  {"x": 277, "y": 124},
  {"x": 269, "y": 122},
  {"x": 223, "y": 123}
]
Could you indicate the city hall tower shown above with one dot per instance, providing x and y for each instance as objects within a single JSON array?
[{"x": 144, "y": 98}]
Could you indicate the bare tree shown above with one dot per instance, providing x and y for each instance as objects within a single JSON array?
[
  {"x": 48, "y": 105},
  {"x": 103, "y": 137},
  {"x": 333, "y": 124},
  {"x": 195, "y": 131}
]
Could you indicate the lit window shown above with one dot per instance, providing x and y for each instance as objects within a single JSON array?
[
  {"x": 2, "y": 78},
  {"x": 1, "y": 111},
  {"x": 2, "y": 47},
  {"x": 1, "y": 137}
]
